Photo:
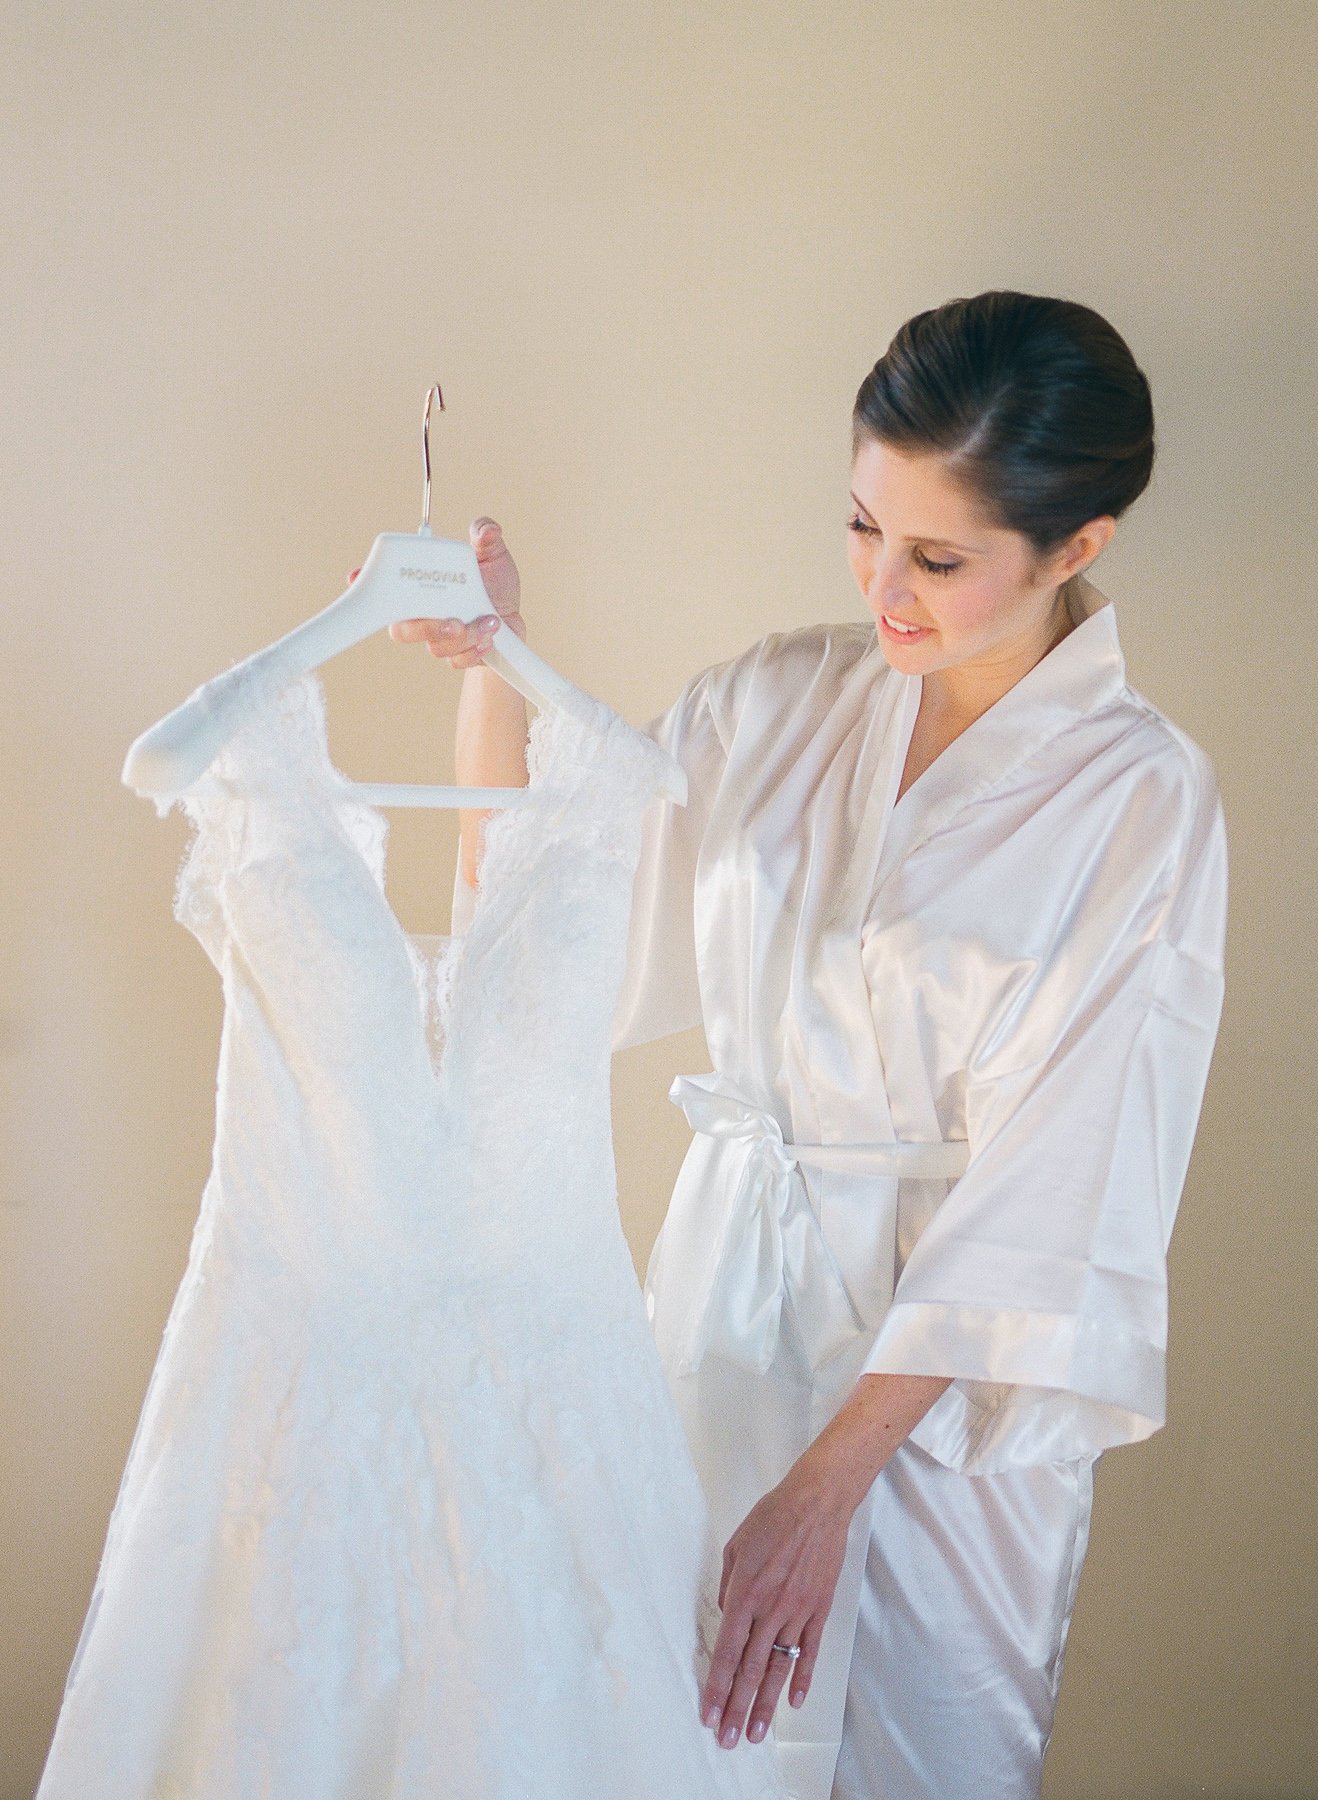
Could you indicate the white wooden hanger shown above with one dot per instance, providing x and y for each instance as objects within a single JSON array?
[{"x": 405, "y": 576}]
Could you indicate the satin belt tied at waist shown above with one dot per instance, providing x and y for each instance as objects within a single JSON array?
[{"x": 770, "y": 1241}]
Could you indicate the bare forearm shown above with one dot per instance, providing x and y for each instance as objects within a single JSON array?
[
  {"x": 858, "y": 1440},
  {"x": 492, "y": 728}
]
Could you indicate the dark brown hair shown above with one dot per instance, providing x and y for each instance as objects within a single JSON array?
[{"x": 1037, "y": 405}]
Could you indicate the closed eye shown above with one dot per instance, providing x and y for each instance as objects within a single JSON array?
[{"x": 856, "y": 523}]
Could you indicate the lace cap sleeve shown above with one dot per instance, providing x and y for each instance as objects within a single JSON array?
[
  {"x": 210, "y": 805},
  {"x": 277, "y": 745}
]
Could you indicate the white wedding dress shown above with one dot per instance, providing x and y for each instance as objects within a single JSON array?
[{"x": 409, "y": 1513}]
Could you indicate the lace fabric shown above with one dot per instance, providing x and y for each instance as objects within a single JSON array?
[{"x": 409, "y": 1510}]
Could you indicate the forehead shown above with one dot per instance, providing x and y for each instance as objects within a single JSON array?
[{"x": 915, "y": 496}]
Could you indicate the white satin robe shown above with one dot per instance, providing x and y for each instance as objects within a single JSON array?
[{"x": 1020, "y": 960}]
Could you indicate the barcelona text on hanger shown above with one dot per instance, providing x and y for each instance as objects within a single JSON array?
[{"x": 405, "y": 575}]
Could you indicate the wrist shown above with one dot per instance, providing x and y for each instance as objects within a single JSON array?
[
  {"x": 853, "y": 1449},
  {"x": 836, "y": 1469}
]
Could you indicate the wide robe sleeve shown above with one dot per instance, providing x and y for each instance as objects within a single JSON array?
[
  {"x": 1039, "y": 1283},
  {"x": 660, "y": 991}
]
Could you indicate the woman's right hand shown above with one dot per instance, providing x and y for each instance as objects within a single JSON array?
[{"x": 461, "y": 644}]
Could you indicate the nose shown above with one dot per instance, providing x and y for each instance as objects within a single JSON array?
[{"x": 885, "y": 586}]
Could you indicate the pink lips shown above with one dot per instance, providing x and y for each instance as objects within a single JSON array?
[{"x": 903, "y": 637}]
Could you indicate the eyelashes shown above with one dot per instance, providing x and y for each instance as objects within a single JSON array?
[{"x": 856, "y": 523}]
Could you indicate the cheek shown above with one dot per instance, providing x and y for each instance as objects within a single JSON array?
[{"x": 970, "y": 612}]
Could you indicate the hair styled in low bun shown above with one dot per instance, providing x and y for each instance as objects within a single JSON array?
[{"x": 1036, "y": 405}]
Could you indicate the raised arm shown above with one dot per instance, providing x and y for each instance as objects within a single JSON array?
[{"x": 492, "y": 722}]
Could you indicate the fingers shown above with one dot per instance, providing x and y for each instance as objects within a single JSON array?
[
  {"x": 460, "y": 643},
  {"x": 496, "y": 567},
  {"x": 751, "y": 1672},
  {"x": 799, "y": 1669},
  {"x": 759, "y": 1677},
  {"x": 729, "y": 1557},
  {"x": 463, "y": 645},
  {"x": 488, "y": 541},
  {"x": 771, "y": 1684},
  {"x": 734, "y": 1629}
]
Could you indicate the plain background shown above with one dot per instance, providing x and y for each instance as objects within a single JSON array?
[{"x": 650, "y": 252}]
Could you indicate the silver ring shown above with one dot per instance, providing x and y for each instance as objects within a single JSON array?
[{"x": 792, "y": 1650}]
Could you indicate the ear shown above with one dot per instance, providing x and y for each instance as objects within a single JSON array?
[{"x": 1083, "y": 547}]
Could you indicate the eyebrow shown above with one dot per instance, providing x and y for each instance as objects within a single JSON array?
[{"x": 927, "y": 537}]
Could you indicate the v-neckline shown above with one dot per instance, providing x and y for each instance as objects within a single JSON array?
[
  {"x": 546, "y": 733},
  {"x": 887, "y": 725},
  {"x": 1083, "y": 604},
  {"x": 1081, "y": 671}
]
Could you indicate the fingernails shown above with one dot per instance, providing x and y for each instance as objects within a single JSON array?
[
  {"x": 797, "y": 1699},
  {"x": 728, "y": 1736},
  {"x": 755, "y": 1731},
  {"x": 710, "y": 1715}
]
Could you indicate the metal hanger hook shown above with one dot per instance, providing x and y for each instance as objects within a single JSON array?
[{"x": 432, "y": 393}]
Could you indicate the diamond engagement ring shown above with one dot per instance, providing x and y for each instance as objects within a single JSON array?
[{"x": 792, "y": 1650}]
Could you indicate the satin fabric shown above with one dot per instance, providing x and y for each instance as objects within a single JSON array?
[
  {"x": 1025, "y": 953},
  {"x": 771, "y": 1251},
  {"x": 954, "y": 1683}
]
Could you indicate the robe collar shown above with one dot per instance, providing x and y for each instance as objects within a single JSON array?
[{"x": 1082, "y": 672}]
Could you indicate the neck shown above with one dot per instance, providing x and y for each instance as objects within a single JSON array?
[{"x": 956, "y": 697}]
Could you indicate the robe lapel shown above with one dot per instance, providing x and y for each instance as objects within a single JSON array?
[
  {"x": 857, "y": 1213},
  {"x": 1078, "y": 674},
  {"x": 891, "y": 703}
]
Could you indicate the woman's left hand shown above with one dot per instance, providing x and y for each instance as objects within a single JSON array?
[
  {"x": 781, "y": 1564},
  {"x": 780, "y": 1571}
]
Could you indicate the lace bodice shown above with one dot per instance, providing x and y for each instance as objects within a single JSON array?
[{"x": 479, "y": 1054}]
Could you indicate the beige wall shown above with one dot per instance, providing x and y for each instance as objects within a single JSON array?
[{"x": 650, "y": 253}]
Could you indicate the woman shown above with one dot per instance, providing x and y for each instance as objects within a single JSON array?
[{"x": 948, "y": 897}]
